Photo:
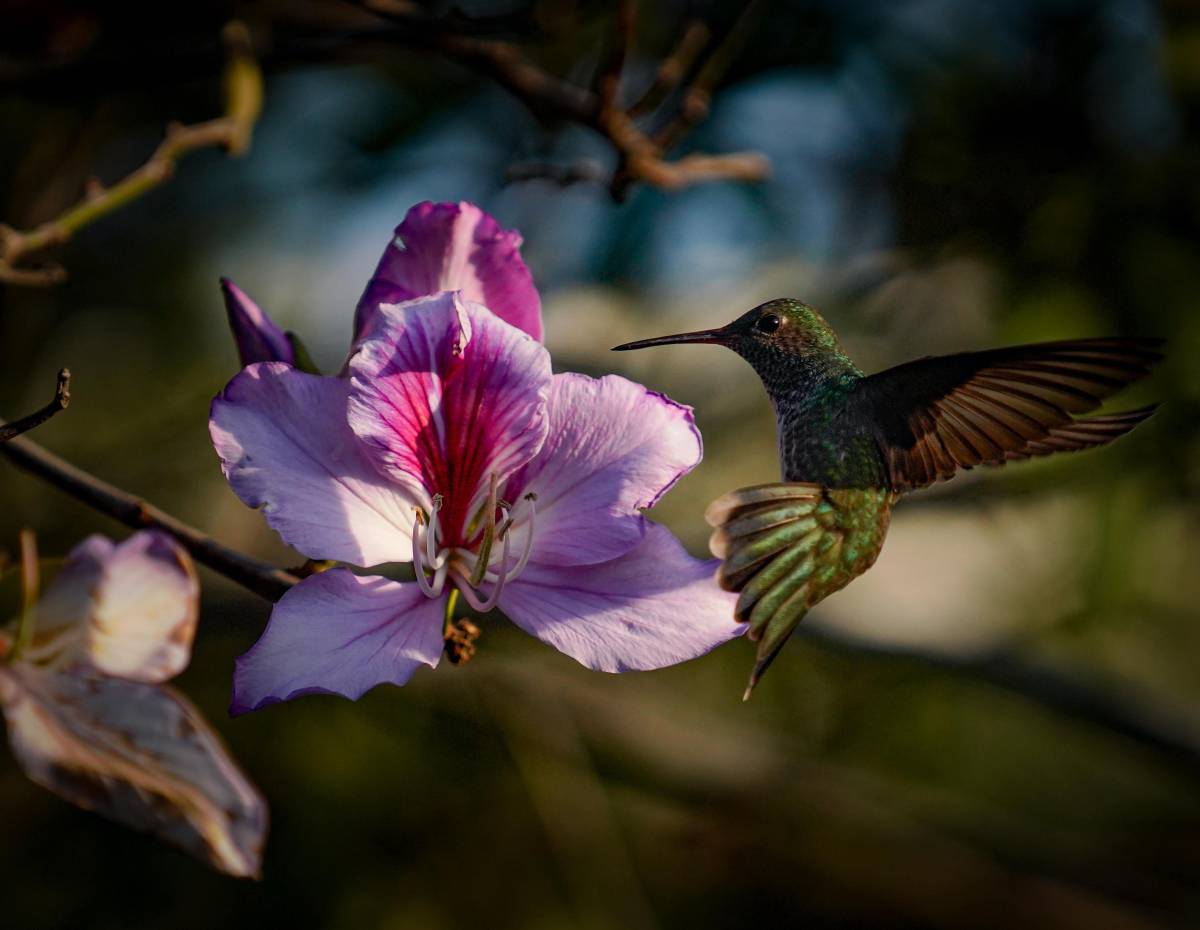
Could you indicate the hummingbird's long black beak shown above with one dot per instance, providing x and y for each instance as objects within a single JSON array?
[{"x": 713, "y": 336}]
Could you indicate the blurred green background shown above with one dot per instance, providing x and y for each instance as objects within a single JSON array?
[{"x": 948, "y": 174}]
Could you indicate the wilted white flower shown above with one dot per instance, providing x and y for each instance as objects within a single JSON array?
[{"x": 88, "y": 715}]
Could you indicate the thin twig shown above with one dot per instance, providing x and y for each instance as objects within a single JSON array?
[
  {"x": 243, "y": 103},
  {"x": 62, "y": 397},
  {"x": 263, "y": 579},
  {"x": 453, "y": 20},
  {"x": 504, "y": 64},
  {"x": 609, "y": 77},
  {"x": 583, "y": 171},
  {"x": 673, "y": 68},
  {"x": 696, "y": 169},
  {"x": 697, "y": 96}
]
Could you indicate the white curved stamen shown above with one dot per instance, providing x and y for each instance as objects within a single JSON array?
[
  {"x": 417, "y": 558},
  {"x": 439, "y": 577},
  {"x": 422, "y": 560},
  {"x": 463, "y": 563},
  {"x": 468, "y": 592},
  {"x": 528, "y": 548},
  {"x": 472, "y": 595}
]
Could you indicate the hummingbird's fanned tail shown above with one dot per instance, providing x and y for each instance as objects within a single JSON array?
[{"x": 785, "y": 547}]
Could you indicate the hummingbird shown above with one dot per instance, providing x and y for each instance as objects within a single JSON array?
[{"x": 851, "y": 444}]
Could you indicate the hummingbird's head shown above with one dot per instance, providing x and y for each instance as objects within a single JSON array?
[{"x": 776, "y": 335}]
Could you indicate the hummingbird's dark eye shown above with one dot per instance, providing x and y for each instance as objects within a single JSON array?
[{"x": 767, "y": 323}]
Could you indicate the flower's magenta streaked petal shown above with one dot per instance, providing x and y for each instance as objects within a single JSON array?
[
  {"x": 613, "y": 447},
  {"x": 144, "y": 610},
  {"x": 339, "y": 633},
  {"x": 285, "y": 446},
  {"x": 258, "y": 338},
  {"x": 445, "y": 394},
  {"x": 454, "y": 247},
  {"x": 652, "y": 607}
]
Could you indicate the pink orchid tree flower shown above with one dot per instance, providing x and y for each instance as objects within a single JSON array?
[
  {"x": 450, "y": 444},
  {"x": 88, "y": 713}
]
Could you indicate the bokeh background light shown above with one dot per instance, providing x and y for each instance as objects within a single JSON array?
[{"x": 947, "y": 175}]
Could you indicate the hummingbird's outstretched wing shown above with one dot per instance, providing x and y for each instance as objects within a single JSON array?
[
  {"x": 785, "y": 547},
  {"x": 937, "y": 415}
]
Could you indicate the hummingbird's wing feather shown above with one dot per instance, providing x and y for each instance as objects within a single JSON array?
[
  {"x": 785, "y": 547},
  {"x": 937, "y": 415}
]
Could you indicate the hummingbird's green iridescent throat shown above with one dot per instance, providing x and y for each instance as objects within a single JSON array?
[{"x": 850, "y": 444}]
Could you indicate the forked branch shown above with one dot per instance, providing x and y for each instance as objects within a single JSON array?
[
  {"x": 232, "y": 131},
  {"x": 640, "y": 153}
]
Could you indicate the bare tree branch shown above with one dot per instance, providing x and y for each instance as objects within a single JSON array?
[
  {"x": 259, "y": 577},
  {"x": 639, "y": 157},
  {"x": 62, "y": 397},
  {"x": 243, "y": 102}
]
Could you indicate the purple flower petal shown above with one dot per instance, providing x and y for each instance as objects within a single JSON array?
[
  {"x": 654, "y": 606},
  {"x": 339, "y": 633},
  {"x": 128, "y": 611},
  {"x": 612, "y": 448},
  {"x": 285, "y": 446},
  {"x": 445, "y": 394},
  {"x": 258, "y": 338},
  {"x": 454, "y": 247}
]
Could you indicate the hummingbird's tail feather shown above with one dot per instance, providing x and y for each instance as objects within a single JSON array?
[
  {"x": 776, "y": 633},
  {"x": 786, "y": 546}
]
